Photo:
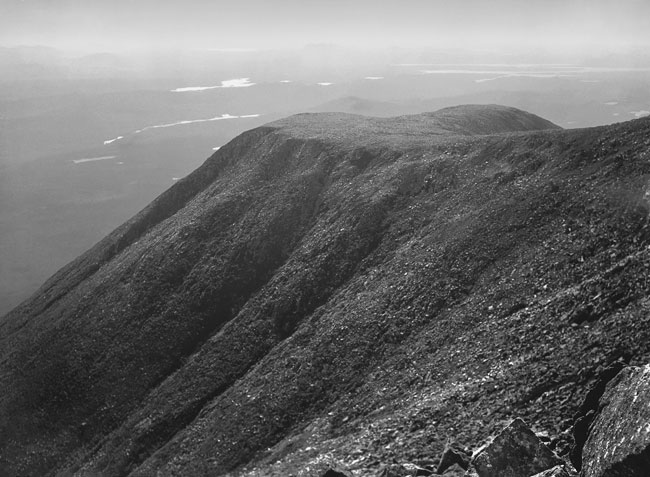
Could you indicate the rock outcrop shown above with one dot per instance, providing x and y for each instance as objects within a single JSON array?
[
  {"x": 618, "y": 442},
  {"x": 453, "y": 455},
  {"x": 515, "y": 452}
]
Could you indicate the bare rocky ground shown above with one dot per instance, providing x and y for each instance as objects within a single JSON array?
[{"x": 332, "y": 289}]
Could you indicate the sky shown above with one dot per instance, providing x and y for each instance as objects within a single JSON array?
[{"x": 113, "y": 25}]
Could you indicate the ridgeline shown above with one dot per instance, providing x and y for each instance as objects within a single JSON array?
[{"x": 338, "y": 288}]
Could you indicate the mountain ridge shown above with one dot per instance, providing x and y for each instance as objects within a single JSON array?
[
  {"x": 315, "y": 251},
  {"x": 182, "y": 192},
  {"x": 472, "y": 119}
]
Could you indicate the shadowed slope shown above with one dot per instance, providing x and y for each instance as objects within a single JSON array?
[{"x": 325, "y": 274}]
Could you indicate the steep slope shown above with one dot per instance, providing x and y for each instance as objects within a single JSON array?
[{"x": 333, "y": 286}]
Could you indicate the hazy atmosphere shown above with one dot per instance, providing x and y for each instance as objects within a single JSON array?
[
  {"x": 106, "y": 104},
  {"x": 204, "y": 24}
]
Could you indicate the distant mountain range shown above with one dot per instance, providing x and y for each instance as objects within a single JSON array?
[{"x": 337, "y": 287}]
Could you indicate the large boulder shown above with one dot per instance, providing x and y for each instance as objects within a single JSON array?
[
  {"x": 618, "y": 442},
  {"x": 453, "y": 454},
  {"x": 515, "y": 452}
]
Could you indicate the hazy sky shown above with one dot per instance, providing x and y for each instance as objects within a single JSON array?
[{"x": 119, "y": 24}]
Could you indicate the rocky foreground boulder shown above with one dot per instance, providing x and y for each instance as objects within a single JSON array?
[
  {"x": 618, "y": 443},
  {"x": 453, "y": 456},
  {"x": 515, "y": 452},
  {"x": 617, "y": 439},
  {"x": 614, "y": 420}
]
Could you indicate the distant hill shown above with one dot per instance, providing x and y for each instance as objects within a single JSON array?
[
  {"x": 415, "y": 129},
  {"x": 339, "y": 287},
  {"x": 364, "y": 106}
]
